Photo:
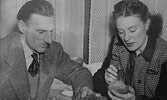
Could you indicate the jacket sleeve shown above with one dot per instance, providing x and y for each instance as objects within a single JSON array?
[
  {"x": 100, "y": 85},
  {"x": 161, "y": 89},
  {"x": 71, "y": 72}
]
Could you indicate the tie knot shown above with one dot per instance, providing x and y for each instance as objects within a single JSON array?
[
  {"x": 34, "y": 67},
  {"x": 35, "y": 56}
]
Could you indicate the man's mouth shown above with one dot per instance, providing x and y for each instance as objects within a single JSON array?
[{"x": 45, "y": 45}]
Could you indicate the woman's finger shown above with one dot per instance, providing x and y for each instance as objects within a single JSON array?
[
  {"x": 111, "y": 71},
  {"x": 113, "y": 68},
  {"x": 113, "y": 97},
  {"x": 110, "y": 75}
]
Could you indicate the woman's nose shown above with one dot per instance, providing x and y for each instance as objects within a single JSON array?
[{"x": 126, "y": 37}]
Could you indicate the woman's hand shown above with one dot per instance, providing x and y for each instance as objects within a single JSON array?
[
  {"x": 117, "y": 96},
  {"x": 111, "y": 74}
]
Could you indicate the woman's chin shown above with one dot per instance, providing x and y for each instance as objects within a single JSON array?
[{"x": 132, "y": 49}]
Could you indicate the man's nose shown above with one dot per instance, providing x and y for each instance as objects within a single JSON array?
[{"x": 48, "y": 37}]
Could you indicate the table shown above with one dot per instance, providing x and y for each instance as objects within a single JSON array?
[
  {"x": 57, "y": 95},
  {"x": 56, "y": 90}
]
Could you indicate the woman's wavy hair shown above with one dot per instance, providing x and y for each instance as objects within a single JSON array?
[
  {"x": 136, "y": 7},
  {"x": 129, "y": 8}
]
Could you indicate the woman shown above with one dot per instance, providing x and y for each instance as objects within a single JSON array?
[{"x": 138, "y": 52}]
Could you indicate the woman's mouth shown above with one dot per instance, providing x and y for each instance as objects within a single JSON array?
[{"x": 130, "y": 44}]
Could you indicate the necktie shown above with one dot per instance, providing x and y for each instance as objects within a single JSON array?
[{"x": 34, "y": 67}]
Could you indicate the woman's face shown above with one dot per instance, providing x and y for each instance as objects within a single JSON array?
[{"x": 132, "y": 31}]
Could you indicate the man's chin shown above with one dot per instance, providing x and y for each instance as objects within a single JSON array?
[{"x": 43, "y": 50}]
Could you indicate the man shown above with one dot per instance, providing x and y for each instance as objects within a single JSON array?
[{"x": 30, "y": 60}]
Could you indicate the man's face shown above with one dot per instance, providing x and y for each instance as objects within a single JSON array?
[
  {"x": 132, "y": 31},
  {"x": 38, "y": 32}
]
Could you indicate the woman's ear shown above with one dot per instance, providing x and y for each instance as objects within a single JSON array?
[
  {"x": 21, "y": 26},
  {"x": 147, "y": 25}
]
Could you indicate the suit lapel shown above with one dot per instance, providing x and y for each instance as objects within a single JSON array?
[{"x": 19, "y": 76}]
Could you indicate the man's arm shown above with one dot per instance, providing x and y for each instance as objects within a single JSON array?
[{"x": 69, "y": 71}]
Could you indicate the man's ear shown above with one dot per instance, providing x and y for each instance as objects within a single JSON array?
[{"x": 21, "y": 26}]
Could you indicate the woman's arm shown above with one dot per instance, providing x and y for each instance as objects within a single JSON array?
[
  {"x": 160, "y": 93},
  {"x": 100, "y": 85}
]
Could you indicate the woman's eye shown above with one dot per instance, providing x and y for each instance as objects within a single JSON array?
[
  {"x": 132, "y": 31},
  {"x": 120, "y": 32}
]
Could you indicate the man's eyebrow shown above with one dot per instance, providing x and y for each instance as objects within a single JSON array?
[
  {"x": 41, "y": 30},
  {"x": 53, "y": 30},
  {"x": 46, "y": 30}
]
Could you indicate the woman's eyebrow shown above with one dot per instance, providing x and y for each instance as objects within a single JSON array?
[{"x": 132, "y": 26}]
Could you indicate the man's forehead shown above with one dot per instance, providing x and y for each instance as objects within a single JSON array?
[
  {"x": 36, "y": 18},
  {"x": 41, "y": 22}
]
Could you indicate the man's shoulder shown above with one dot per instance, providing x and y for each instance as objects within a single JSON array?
[
  {"x": 55, "y": 47},
  {"x": 6, "y": 42},
  {"x": 55, "y": 43},
  {"x": 10, "y": 36}
]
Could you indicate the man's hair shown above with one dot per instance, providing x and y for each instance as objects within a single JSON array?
[{"x": 40, "y": 7}]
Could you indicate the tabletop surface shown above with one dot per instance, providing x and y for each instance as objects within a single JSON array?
[{"x": 57, "y": 95}]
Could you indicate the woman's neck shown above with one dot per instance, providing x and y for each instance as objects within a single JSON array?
[{"x": 141, "y": 49}]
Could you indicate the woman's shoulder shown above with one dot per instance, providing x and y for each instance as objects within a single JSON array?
[
  {"x": 161, "y": 42},
  {"x": 161, "y": 49}
]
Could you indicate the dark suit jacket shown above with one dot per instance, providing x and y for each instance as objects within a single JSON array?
[{"x": 54, "y": 63}]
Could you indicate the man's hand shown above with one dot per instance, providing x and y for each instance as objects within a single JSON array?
[
  {"x": 83, "y": 92},
  {"x": 117, "y": 96}
]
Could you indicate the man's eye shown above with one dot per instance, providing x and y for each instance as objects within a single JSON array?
[{"x": 40, "y": 32}]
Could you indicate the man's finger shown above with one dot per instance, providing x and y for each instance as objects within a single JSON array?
[{"x": 84, "y": 93}]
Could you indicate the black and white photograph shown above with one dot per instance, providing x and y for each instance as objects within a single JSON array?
[{"x": 83, "y": 49}]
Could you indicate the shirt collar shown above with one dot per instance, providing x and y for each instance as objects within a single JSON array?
[
  {"x": 142, "y": 48},
  {"x": 149, "y": 49},
  {"x": 27, "y": 51}
]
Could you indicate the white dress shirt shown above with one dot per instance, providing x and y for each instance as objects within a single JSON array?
[{"x": 27, "y": 52}]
